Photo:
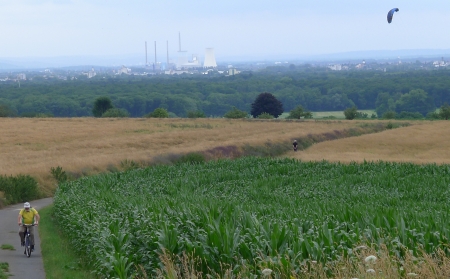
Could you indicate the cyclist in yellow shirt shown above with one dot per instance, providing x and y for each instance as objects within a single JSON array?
[{"x": 27, "y": 216}]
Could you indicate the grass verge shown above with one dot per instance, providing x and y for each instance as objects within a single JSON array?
[
  {"x": 60, "y": 262},
  {"x": 7, "y": 247},
  {"x": 4, "y": 268}
]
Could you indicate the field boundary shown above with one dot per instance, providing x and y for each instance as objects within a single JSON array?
[{"x": 274, "y": 149}]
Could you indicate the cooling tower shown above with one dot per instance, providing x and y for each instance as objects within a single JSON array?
[{"x": 210, "y": 59}]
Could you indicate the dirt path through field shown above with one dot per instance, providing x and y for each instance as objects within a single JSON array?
[{"x": 21, "y": 267}]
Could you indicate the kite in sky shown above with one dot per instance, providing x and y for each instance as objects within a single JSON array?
[{"x": 391, "y": 14}]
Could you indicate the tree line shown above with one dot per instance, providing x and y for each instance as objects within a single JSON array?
[{"x": 313, "y": 90}]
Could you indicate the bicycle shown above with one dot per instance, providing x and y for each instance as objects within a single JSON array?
[{"x": 27, "y": 238}]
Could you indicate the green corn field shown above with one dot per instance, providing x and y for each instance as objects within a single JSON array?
[{"x": 239, "y": 216}]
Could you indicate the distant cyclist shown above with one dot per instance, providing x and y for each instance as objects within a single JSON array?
[
  {"x": 294, "y": 144},
  {"x": 27, "y": 216}
]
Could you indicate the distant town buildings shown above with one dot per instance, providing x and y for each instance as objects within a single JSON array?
[
  {"x": 361, "y": 65},
  {"x": 233, "y": 71},
  {"x": 440, "y": 63},
  {"x": 91, "y": 73},
  {"x": 123, "y": 70},
  {"x": 194, "y": 66},
  {"x": 335, "y": 67}
]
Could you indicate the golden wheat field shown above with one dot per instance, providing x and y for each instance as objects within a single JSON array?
[
  {"x": 84, "y": 146},
  {"x": 421, "y": 143}
]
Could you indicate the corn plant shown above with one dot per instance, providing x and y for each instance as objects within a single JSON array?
[{"x": 237, "y": 216}]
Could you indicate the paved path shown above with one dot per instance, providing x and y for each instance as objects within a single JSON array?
[{"x": 9, "y": 234}]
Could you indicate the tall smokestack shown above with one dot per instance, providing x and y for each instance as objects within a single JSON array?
[
  {"x": 179, "y": 41},
  {"x": 155, "y": 52},
  {"x": 146, "y": 61},
  {"x": 167, "y": 53}
]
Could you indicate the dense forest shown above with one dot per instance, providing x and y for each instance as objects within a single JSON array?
[{"x": 315, "y": 90}]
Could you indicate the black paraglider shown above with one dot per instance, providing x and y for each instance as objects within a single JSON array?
[{"x": 391, "y": 14}]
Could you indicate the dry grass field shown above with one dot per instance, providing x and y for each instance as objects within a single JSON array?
[
  {"x": 84, "y": 146},
  {"x": 424, "y": 142}
]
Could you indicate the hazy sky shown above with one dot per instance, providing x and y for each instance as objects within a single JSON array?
[{"x": 44, "y": 28}]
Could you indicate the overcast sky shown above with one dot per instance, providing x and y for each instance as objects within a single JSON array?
[{"x": 234, "y": 28}]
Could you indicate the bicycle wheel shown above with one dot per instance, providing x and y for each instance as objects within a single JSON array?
[{"x": 27, "y": 245}]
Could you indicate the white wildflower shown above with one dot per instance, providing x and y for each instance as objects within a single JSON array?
[
  {"x": 411, "y": 274},
  {"x": 266, "y": 271},
  {"x": 370, "y": 259},
  {"x": 370, "y": 270}
]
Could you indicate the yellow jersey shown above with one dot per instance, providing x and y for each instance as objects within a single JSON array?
[{"x": 28, "y": 216}]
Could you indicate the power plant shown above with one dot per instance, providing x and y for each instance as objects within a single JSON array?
[
  {"x": 210, "y": 59},
  {"x": 183, "y": 61}
]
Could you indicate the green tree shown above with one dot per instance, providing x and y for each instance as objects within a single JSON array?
[
  {"x": 351, "y": 113},
  {"x": 101, "y": 105},
  {"x": 433, "y": 115},
  {"x": 299, "y": 112},
  {"x": 266, "y": 102},
  {"x": 361, "y": 115},
  {"x": 416, "y": 100},
  {"x": 236, "y": 113},
  {"x": 444, "y": 111},
  {"x": 6, "y": 111},
  {"x": 409, "y": 115},
  {"x": 116, "y": 112},
  {"x": 159, "y": 113},
  {"x": 384, "y": 103}
]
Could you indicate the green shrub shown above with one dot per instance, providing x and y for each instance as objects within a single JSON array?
[
  {"x": 116, "y": 112},
  {"x": 444, "y": 111},
  {"x": 19, "y": 188},
  {"x": 299, "y": 112},
  {"x": 265, "y": 115},
  {"x": 129, "y": 165},
  {"x": 59, "y": 174},
  {"x": 361, "y": 115},
  {"x": 191, "y": 158},
  {"x": 409, "y": 115},
  {"x": 158, "y": 113},
  {"x": 236, "y": 113},
  {"x": 389, "y": 115},
  {"x": 351, "y": 113},
  {"x": 36, "y": 114},
  {"x": 196, "y": 114}
]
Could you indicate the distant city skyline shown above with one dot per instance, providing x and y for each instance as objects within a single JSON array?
[{"x": 235, "y": 29}]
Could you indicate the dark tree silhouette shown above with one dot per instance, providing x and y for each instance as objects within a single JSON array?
[
  {"x": 101, "y": 105},
  {"x": 266, "y": 102}
]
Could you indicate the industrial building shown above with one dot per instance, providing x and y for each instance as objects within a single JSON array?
[{"x": 183, "y": 61}]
